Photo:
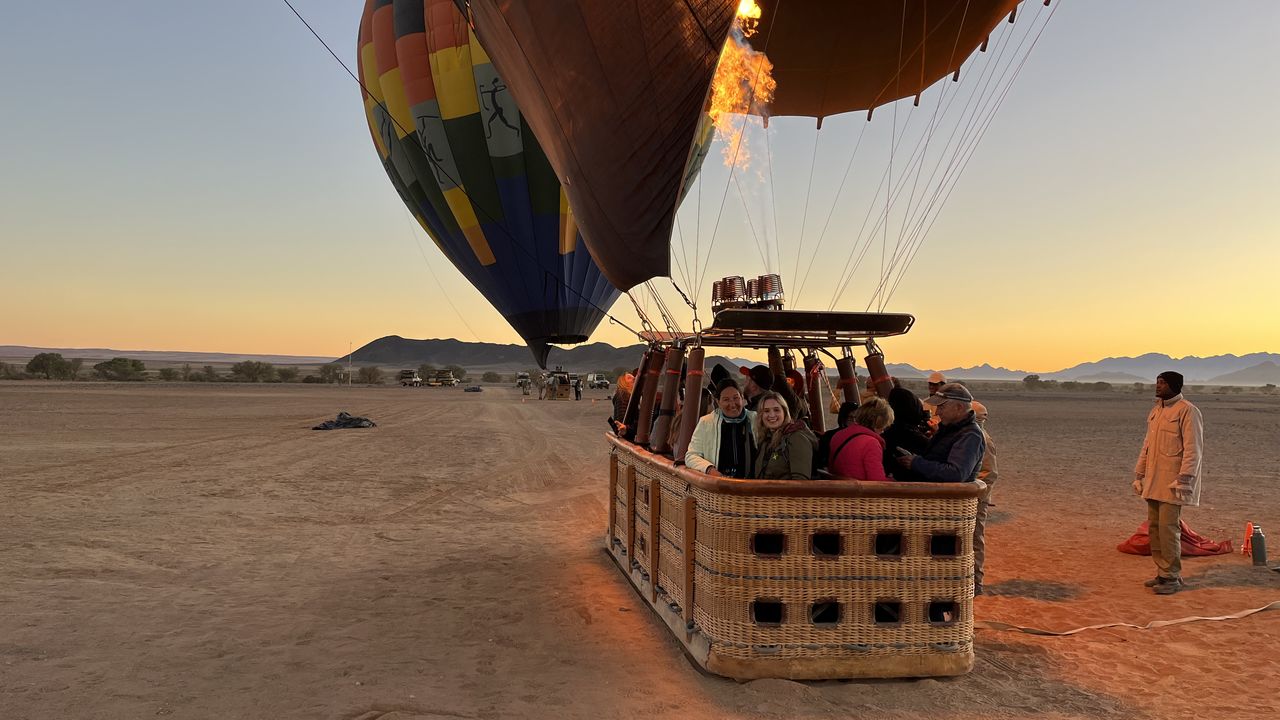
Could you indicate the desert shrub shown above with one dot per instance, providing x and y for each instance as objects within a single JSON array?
[
  {"x": 289, "y": 374},
  {"x": 253, "y": 371},
  {"x": 186, "y": 372},
  {"x": 310, "y": 379},
  {"x": 210, "y": 374},
  {"x": 369, "y": 375},
  {"x": 169, "y": 374},
  {"x": 330, "y": 373},
  {"x": 121, "y": 369},
  {"x": 491, "y": 377},
  {"x": 10, "y": 372},
  {"x": 53, "y": 366}
]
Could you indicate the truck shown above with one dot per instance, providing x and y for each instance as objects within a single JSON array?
[
  {"x": 597, "y": 381},
  {"x": 442, "y": 378},
  {"x": 410, "y": 378}
]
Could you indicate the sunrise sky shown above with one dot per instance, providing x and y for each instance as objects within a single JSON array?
[{"x": 199, "y": 176}]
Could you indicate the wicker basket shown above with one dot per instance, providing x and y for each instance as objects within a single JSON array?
[{"x": 799, "y": 579}]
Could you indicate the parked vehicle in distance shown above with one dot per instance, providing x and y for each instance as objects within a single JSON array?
[
  {"x": 597, "y": 381},
  {"x": 473, "y": 388},
  {"x": 410, "y": 378},
  {"x": 442, "y": 378}
]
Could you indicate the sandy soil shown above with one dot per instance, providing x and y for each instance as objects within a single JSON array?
[{"x": 198, "y": 552}]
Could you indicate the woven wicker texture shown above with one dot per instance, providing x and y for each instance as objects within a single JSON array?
[{"x": 913, "y": 556}]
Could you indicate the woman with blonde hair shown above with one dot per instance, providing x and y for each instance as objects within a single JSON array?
[
  {"x": 857, "y": 451},
  {"x": 786, "y": 447}
]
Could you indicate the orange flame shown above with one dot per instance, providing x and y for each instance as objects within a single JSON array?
[{"x": 743, "y": 85}]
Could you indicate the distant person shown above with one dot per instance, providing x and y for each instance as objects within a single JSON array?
[
  {"x": 724, "y": 441},
  {"x": 786, "y": 447},
  {"x": 936, "y": 380},
  {"x": 987, "y": 473},
  {"x": 843, "y": 418},
  {"x": 857, "y": 451},
  {"x": 907, "y": 430},
  {"x": 577, "y": 389},
  {"x": 1167, "y": 476},
  {"x": 553, "y": 384}
]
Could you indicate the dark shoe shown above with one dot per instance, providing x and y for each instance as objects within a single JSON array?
[
  {"x": 1169, "y": 587},
  {"x": 1157, "y": 580}
]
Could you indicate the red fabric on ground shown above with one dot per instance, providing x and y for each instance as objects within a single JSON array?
[{"x": 1193, "y": 543}]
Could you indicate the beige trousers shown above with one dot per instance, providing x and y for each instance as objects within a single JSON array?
[
  {"x": 1163, "y": 525},
  {"x": 979, "y": 536}
]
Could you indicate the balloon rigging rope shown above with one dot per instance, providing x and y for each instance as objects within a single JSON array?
[
  {"x": 481, "y": 210},
  {"x": 1154, "y": 624},
  {"x": 974, "y": 144},
  {"x": 413, "y": 223}
]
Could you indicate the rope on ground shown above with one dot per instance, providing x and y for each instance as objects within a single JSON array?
[{"x": 996, "y": 625}]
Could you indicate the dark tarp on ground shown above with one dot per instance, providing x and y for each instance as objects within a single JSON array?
[
  {"x": 345, "y": 421},
  {"x": 1193, "y": 543}
]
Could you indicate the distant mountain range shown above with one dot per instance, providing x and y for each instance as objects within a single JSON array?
[{"x": 393, "y": 350}]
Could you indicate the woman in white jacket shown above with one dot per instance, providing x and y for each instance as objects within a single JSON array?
[{"x": 724, "y": 442}]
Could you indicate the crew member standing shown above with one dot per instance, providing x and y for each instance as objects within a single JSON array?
[{"x": 1167, "y": 476}]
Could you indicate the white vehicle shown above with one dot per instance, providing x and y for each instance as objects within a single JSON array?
[
  {"x": 597, "y": 381},
  {"x": 410, "y": 378}
]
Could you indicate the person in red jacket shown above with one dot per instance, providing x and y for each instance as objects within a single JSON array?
[{"x": 858, "y": 450}]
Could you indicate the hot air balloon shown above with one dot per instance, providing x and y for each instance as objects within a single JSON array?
[
  {"x": 460, "y": 154},
  {"x": 803, "y": 578}
]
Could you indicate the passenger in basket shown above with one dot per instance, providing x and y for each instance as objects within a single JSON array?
[
  {"x": 724, "y": 442},
  {"x": 906, "y": 431},
  {"x": 987, "y": 473},
  {"x": 759, "y": 380},
  {"x": 858, "y": 451},
  {"x": 955, "y": 451},
  {"x": 843, "y": 419},
  {"x": 786, "y": 447}
]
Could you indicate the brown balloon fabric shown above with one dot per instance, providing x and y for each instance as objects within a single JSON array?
[
  {"x": 614, "y": 91},
  {"x": 836, "y": 56}
]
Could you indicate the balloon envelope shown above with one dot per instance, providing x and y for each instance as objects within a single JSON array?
[
  {"x": 615, "y": 89},
  {"x": 461, "y": 156}
]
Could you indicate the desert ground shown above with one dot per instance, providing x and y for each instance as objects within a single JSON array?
[{"x": 197, "y": 551}]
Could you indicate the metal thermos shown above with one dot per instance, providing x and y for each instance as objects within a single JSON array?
[{"x": 1259, "y": 544}]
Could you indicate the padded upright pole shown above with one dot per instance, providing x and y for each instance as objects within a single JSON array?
[
  {"x": 692, "y": 402},
  {"x": 813, "y": 389},
  {"x": 661, "y": 440},
  {"x": 879, "y": 379},
  {"x": 644, "y": 421},
  {"x": 633, "y": 403},
  {"x": 848, "y": 379}
]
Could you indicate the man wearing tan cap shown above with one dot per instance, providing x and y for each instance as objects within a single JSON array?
[
  {"x": 936, "y": 380},
  {"x": 955, "y": 451}
]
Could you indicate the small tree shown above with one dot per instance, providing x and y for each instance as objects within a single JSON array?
[
  {"x": 121, "y": 369},
  {"x": 8, "y": 372},
  {"x": 491, "y": 377},
  {"x": 288, "y": 375},
  {"x": 369, "y": 375},
  {"x": 51, "y": 365},
  {"x": 330, "y": 373},
  {"x": 210, "y": 374},
  {"x": 73, "y": 368},
  {"x": 1031, "y": 381},
  {"x": 169, "y": 374},
  {"x": 186, "y": 372},
  {"x": 253, "y": 371},
  {"x": 426, "y": 370}
]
